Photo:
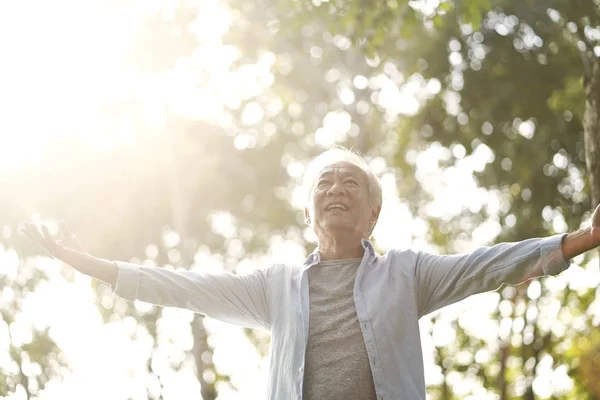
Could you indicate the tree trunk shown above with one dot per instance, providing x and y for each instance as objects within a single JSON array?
[
  {"x": 203, "y": 356},
  {"x": 591, "y": 130},
  {"x": 502, "y": 383},
  {"x": 183, "y": 181}
]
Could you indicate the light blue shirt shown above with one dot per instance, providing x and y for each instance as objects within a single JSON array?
[{"x": 391, "y": 293}]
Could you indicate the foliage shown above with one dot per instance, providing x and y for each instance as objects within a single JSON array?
[
  {"x": 29, "y": 358},
  {"x": 499, "y": 81},
  {"x": 510, "y": 82}
]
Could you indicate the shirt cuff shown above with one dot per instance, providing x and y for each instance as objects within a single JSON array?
[
  {"x": 128, "y": 280},
  {"x": 553, "y": 260}
]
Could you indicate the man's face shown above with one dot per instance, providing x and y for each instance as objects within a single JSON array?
[{"x": 340, "y": 201}]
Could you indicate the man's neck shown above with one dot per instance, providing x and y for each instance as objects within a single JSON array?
[{"x": 338, "y": 248}]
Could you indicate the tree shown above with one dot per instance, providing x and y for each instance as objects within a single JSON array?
[
  {"x": 336, "y": 75},
  {"x": 512, "y": 83},
  {"x": 31, "y": 357},
  {"x": 147, "y": 195},
  {"x": 523, "y": 83}
]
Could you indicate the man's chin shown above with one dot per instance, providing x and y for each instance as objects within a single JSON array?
[{"x": 341, "y": 227}]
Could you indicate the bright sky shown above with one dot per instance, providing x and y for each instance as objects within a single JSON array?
[{"x": 61, "y": 64}]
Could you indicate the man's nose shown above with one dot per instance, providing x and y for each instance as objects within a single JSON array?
[{"x": 337, "y": 188}]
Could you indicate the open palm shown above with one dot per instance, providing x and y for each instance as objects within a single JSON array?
[{"x": 50, "y": 244}]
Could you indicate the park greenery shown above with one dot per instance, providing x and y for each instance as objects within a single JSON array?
[{"x": 506, "y": 90}]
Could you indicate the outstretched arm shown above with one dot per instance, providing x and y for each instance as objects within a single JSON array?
[
  {"x": 234, "y": 298},
  {"x": 237, "y": 299},
  {"x": 442, "y": 280},
  {"x": 583, "y": 240}
]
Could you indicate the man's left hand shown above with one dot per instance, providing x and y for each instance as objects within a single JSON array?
[{"x": 596, "y": 225}]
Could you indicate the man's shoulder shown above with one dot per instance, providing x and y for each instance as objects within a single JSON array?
[
  {"x": 284, "y": 269},
  {"x": 396, "y": 257}
]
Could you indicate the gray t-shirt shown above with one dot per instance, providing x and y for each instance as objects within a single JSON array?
[{"x": 336, "y": 362}]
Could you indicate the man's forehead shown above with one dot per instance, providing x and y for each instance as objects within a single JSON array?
[{"x": 342, "y": 168}]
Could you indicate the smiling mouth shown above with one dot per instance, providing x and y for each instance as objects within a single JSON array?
[{"x": 336, "y": 207}]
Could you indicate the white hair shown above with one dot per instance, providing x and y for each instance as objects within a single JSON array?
[{"x": 336, "y": 155}]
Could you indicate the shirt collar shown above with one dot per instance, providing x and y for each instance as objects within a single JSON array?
[{"x": 315, "y": 257}]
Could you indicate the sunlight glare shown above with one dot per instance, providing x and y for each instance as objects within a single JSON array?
[{"x": 54, "y": 75}]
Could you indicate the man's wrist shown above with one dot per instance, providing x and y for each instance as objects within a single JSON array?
[
  {"x": 75, "y": 258},
  {"x": 578, "y": 242}
]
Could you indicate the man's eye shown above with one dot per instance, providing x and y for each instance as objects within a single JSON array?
[
  {"x": 322, "y": 183},
  {"x": 351, "y": 182}
]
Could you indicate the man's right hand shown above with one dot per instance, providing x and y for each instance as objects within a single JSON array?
[
  {"x": 55, "y": 248},
  {"x": 71, "y": 250}
]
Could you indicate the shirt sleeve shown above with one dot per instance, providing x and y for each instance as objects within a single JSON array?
[
  {"x": 443, "y": 280},
  {"x": 237, "y": 299}
]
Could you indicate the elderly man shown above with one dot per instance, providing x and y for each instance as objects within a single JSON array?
[{"x": 344, "y": 324}]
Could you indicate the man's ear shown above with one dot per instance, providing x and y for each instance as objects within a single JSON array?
[
  {"x": 306, "y": 216},
  {"x": 375, "y": 215}
]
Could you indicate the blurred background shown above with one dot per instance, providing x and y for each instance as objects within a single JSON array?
[{"x": 175, "y": 133}]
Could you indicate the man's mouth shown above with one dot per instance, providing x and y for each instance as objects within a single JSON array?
[{"x": 336, "y": 206}]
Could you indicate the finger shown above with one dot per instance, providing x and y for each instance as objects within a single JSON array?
[
  {"x": 50, "y": 243},
  {"x": 30, "y": 233},
  {"x": 25, "y": 232},
  {"x": 34, "y": 232},
  {"x": 64, "y": 229},
  {"x": 63, "y": 226},
  {"x": 47, "y": 238},
  {"x": 47, "y": 233}
]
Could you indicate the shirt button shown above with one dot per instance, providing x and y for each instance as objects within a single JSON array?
[{"x": 301, "y": 369}]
